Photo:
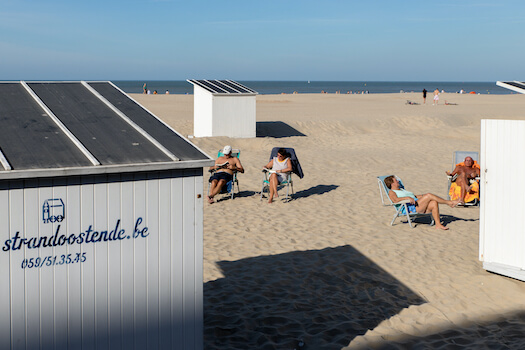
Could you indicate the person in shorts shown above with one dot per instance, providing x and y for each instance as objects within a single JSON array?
[{"x": 224, "y": 168}]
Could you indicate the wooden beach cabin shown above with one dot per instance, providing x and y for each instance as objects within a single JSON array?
[
  {"x": 223, "y": 108},
  {"x": 502, "y": 223},
  {"x": 100, "y": 222},
  {"x": 517, "y": 86}
]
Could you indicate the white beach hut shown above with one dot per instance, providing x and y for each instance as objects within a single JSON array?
[
  {"x": 502, "y": 211},
  {"x": 100, "y": 222},
  {"x": 517, "y": 86},
  {"x": 223, "y": 108}
]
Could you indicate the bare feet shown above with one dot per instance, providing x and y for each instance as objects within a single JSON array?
[
  {"x": 210, "y": 200},
  {"x": 441, "y": 227},
  {"x": 453, "y": 204}
]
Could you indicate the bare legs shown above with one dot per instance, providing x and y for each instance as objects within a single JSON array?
[
  {"x": 215, "y": 187},
  {"x": 463, "y": 182},
  {"x": 429, "y": 203},
  {"x": 273, "y": 187}
]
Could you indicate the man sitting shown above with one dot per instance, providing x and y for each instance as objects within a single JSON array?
[
  {"x": 462, "y": 176},
  {"x": 225, "y": 165}
]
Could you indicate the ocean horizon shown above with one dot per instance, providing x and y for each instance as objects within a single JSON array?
[{"x": 343, "y": 87}]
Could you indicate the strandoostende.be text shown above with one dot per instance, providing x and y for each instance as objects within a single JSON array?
[{"x": 88, "y": 236}]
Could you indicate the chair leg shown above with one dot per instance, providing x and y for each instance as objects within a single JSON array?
[{"x": 262, "y": 190}]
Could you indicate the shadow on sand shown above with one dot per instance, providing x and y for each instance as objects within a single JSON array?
[
  {"x": 276, "y": 129},
  {"x": 319, "y": 189},
  {"x": 445, "y": 219},
  {"x": 323, "y": 297},
  {"x": 502, "y": 332}
]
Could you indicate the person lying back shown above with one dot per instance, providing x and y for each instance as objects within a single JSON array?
[{"x": 421, "y": 203}]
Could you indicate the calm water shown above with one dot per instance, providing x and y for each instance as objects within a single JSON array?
[{"x": 277, "y": 87}]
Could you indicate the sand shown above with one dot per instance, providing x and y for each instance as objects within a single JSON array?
[{"x": 327, "y": 269}]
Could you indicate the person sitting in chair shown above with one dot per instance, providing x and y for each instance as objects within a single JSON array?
[
  {"x": 280, "y": 166},
  {"x": 465, "y": 172},
  {"x": 224, "y": 168},
  {"x": 422, "y": 203}
]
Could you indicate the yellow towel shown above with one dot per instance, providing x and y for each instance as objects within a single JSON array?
[{"x": 455, "y": 192}]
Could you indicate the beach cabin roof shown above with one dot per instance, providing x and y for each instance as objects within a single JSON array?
[
  {"x": 80, "y": 128},
  {"x": 223, "y": 87},
  {"x": 517, "y": 86}
]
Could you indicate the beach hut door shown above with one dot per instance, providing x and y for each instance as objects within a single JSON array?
[{"x": 502, "y": 210}]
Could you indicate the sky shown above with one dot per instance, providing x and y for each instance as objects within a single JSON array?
[{"x": 461, "y": 40}]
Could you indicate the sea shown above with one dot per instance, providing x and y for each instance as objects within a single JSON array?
[{"x": 309, "y": 87}]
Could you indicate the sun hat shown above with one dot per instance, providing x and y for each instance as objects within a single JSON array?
[{"x": 227, "y": 150}]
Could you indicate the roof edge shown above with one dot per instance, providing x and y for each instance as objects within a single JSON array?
[{"x": 103, "y": 169}]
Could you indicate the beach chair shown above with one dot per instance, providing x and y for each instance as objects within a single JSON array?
[
  {"x": 296, "y": 169},
  {"x": 401, "y": 208},
  {"x": 471, "y": 199},
  {"x": 229, "y": 188}
]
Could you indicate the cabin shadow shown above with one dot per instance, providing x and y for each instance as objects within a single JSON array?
[
  {"x": 501, "y": 332},
  {"x": 276, "y": 130},
  {"x": 324, "y": 298}
]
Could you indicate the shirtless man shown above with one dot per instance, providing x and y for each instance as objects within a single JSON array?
[
  {"x": 464, "y": 174},
  {"x": 436, "y": 97},
  {"x": 224, "y": 166}
]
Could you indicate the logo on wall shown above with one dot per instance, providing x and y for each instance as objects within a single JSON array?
[{"x": 53, "y": 210}]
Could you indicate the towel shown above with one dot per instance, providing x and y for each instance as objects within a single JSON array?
[{"x": 455, "y": 192}]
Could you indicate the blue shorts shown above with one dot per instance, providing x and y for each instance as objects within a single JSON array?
[
  {"x": 221, "y": 175},
  {"x": 411, "y": 209}
]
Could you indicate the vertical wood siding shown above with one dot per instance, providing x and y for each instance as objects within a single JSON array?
[{"x": 132, "y": 293}]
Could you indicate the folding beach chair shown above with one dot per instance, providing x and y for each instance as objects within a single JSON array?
[
  {"x": 471, "y": 199},
  {"x": 401, "y": 208},
  {"x": 296, "y": 169},
  {"x": 229, "y": 188}
]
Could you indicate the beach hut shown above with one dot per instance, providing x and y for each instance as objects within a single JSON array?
[
  {"x": 223, "y": 108},
  {"x": 100, "y": 222},
  {"x": 517, "y": 86},
  {"x": 502, "y": 197}
]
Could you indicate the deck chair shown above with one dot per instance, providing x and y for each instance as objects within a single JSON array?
[
  {"x": 229, "y": 188},
  {"x": 296, "y": 169},
  {"x": 453, "y": 191},
  {"x": 402, "y": 208}
]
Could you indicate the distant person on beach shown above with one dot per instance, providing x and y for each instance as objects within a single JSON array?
[
  {"x": 280, "y": 166},
  {"x": 224, "y": 167},
  {"x": 436, "y": 97},
  {"x": 167, "y": 92},
  {"x": 144, "y": 89},
  {"x": 424, "y": 95},
  {"x": 421, "y": 203},
  {"x": 465, "y": 172}
]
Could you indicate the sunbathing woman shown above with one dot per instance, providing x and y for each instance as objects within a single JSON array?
[
  {"x": 423, "y": 203},
  {"x": 280, "y": 166}
]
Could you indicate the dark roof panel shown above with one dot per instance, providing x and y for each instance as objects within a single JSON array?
[
  {"x": 223, "y": 87},
  {"x": 181, "y": 148},
  {"x": 103, "y": 132},
  {"x": 29, "y": 139}
]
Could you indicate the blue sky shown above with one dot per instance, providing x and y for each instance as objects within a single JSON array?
[{"x": 265, "y": 40}]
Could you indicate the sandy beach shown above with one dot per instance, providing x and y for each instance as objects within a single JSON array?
[{"x": 326, "y": 269}]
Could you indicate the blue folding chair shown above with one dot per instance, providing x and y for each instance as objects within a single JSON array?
[{"x": 401, "y": 207}]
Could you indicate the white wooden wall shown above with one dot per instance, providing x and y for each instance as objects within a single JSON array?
[
  {"x": 502, "y": 211},
  {"x": 223, "y": 115},
  {"x": 134, "y": 293},
  {"x": 234, "y": 116},
  {"x": 202, "y": 112}
]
